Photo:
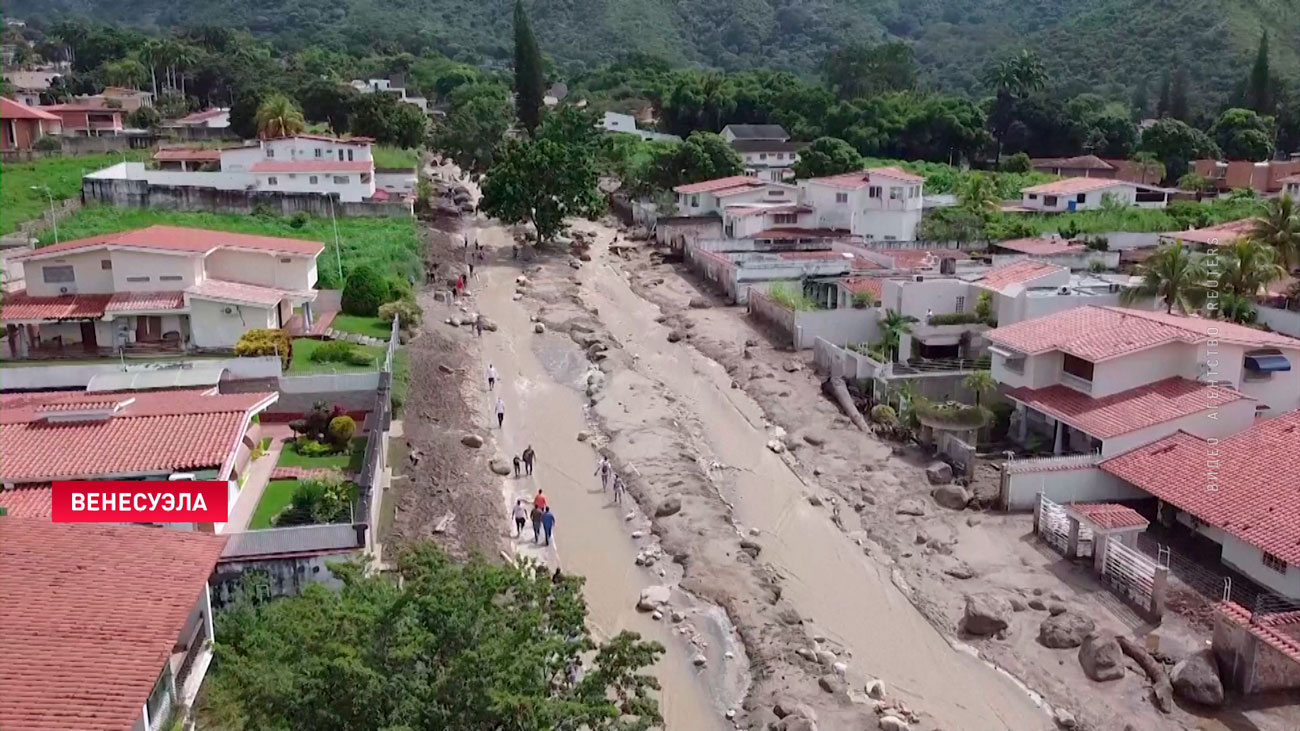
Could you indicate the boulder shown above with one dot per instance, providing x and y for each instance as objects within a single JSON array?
[
  {"x": 1196, "y": 679},
  {"x": 472, "y": 440},
  {"x": 910, "y": 507},
  {"x": 500, "y": 466},
  {"x": 653, "y": 597},
  {"x": 938, "y": 472},
  {"x": 1061, "y": 631},
  {"x": 986, "y": 614},
  {"x": 953, "y": 497},
  {"x": 670, "y": 506},
  {"x": 1101, "y": 657}
]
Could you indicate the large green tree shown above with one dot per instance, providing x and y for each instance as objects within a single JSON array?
[
  {"x": 545, "y": 179},
  {"x": 827, "y": 156},
  {"x": 530, "y": 78},
  {"x": 861, "y": 69},
  {"x": 472, "y": 646}
]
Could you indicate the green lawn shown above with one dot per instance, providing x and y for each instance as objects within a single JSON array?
[
  {"x": 19, "y": 203},
  {"x": 302, "y": 362},
  {"x": 372, "y": 326},
  {"x": 390, "y": 245},
  {"x": 350, "y": 462},
  {"x": 275, "y": 498},
  {"x": 387, "y": 156}
]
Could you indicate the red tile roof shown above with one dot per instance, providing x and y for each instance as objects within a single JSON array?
[
  {"x": 1224, "y": 234},
  {"x": 1109, "y": 515},
  {"x": 18, "y": 307},
  {"x": 1098, "y": 333},
  {"x": 152, "y": 432},
  {"x": 10, "y": 109},
  {"x": 1254, "y": 494},
  {"x": 1022, "y": 271},
  {"x": 146, "y": 302},
  {"x": 187, "y": 154},
  {"x": 182, "y": 239},
  {"x": 28, "y": 501},
  {"x": 1074, "y": 185},
  {"x": 708, "y": 186},
  {"x": 219, "y": 289},
  {"x": 1126, "y": 411},
  {"x": 862, "y": 178},
  {"x": 1038, "y": 246},
  {"x": 312, "y": 166},
  {"x": 90, "y": 615}
]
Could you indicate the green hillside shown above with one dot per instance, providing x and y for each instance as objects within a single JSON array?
[{"x": 1106, "y": 45}]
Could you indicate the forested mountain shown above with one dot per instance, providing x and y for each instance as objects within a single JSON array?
[{"x": 1108, "y": 46}]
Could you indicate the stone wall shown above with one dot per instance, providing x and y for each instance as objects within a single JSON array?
[{"x": 142, "y": 194}]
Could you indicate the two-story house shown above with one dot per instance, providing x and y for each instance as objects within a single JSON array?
[
  {"x": 1086, "y": 194},
  {"x": 1109, "y": 379},
  {"x": 159, "y": 288},
  {"x": 765, "y": 149},
  {"x": 878, "y": 204}
]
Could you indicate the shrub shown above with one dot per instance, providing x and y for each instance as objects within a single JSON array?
[
  {"x": 306, "y": 447},
  {"x": 334, "y": 351},
  {"x": 883, "y": 414},
  {"x": 48, "y": 143},
  {"x": 364, "y": 291},
  {"x": 341, "y": 431},
  {"x": 265, "y": 341},
  {"x": 411, "y": 314}
]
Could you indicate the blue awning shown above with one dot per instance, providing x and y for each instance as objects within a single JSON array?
[{"x": 1270, "y": 363}]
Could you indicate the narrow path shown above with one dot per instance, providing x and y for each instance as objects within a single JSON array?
[{"x": 592, "y": 536}]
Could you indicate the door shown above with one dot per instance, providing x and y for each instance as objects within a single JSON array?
[{"x": 88, "y": 339}]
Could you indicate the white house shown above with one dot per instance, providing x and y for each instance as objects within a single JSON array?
[
  {"x": 162, "y": 288},
  {"x": 878, "y": 204},
  {"x": 1085, "y": 194},
  {"x": 1109, "y": 379}
]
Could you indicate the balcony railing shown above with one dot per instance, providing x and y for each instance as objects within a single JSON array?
[{"x": 1076, "y": 383}]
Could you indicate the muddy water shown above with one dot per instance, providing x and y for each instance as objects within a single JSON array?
[
  {"x": 539, "y": 380},
  {"x": 828, "y": 579}
]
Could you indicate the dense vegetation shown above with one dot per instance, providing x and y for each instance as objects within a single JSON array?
[{"x": 1110, "y": 46}]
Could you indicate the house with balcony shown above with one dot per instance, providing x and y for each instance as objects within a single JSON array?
[
  {"x": 106, "y": 626},
  {"x": 156, "y": 289},
  {"x": 1105, "y": 380},
  {"x": 877, "y": 204},
  {"x": 1086, "y": 194}
]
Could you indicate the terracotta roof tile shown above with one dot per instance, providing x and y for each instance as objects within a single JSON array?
[
  {"x": 1255, "y": 496},
  {"x": 1127, "y": 411},
  {"x": 1109, "y": 515},
  {"x": 1018, "y": 272},
  {"x": 1069, "y": 186},
  {"x": 182, "y": 239},
  {"x": 150, "y": 432},
  {"x": 1098, "y": 333},
  {"x": 90, "y": 614},
  {"x": 708, "y": 186}
]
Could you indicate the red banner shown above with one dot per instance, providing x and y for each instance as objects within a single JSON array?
[{"x": 133, "y": 501}]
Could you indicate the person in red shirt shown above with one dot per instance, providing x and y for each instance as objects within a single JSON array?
[{"x": 539, "y": 501}]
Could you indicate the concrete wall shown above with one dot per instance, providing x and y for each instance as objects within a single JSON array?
[
  {"x": 212, "y": 327},
  {"x": 50, "y": 375},
  {"x": 1062, "y": 480},
  {"x": 143, "y": 194}
]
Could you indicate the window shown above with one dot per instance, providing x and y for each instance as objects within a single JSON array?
[
  {"x": 106, "y": 264},
  {"x": 58, "y": 274},
  {"x": 1078, "y": 367},
  {"x": 272, "y": 180},
  {"x": 313, "y": 180},
  {"x": 319, "y": 152},
  {"x": 873, "y": 191},
  {"x": 841, "y": 197},
  {"x": 789, "y": 218},
  {"x": 961, "y": 303},
  {"x": 340, "y": 180},
  {"x": 1083, "y": 198},
  {"x": 1274, "y": 562},
  {"x": 137, "y": 280},
  {"x": 349, "y": 154},
  {"x": 171, "y": 278}
]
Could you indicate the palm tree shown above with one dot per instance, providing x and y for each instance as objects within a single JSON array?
[
  {"x": 1278, "y": 226},
  {"x": 1173, "y": 274},
  {"x": 278, "y": 116},
  {"x": 892, "y": 329},
  {"x": 980, "y": 383},
  {"x": 1249, "y": 265}
]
